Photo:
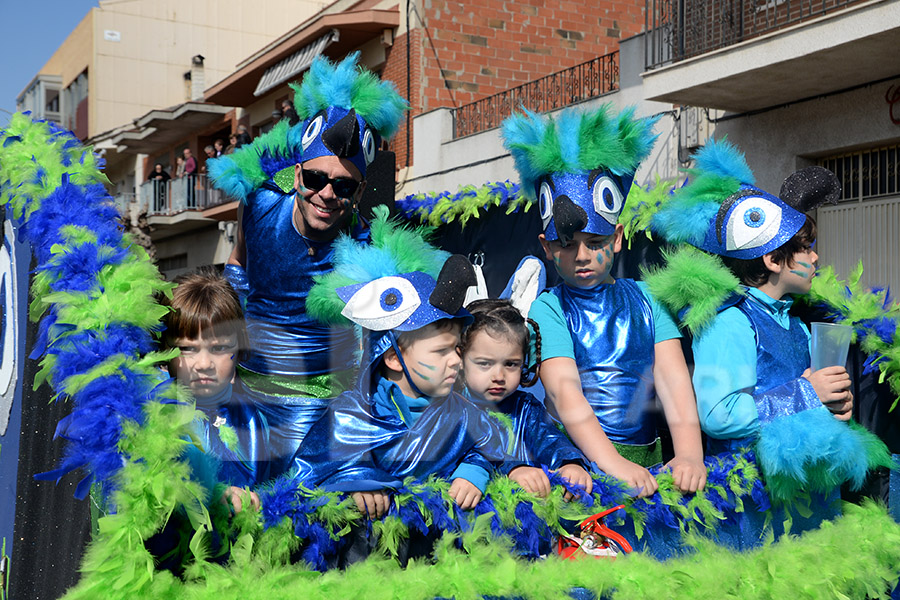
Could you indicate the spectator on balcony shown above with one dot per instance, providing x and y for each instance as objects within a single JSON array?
[
  {"x": 243, "y": 136},
  {"x": 160, "y": 179},
  {"x": 219, "y": 146},
  {"x": 179, "y": 167},
  {"x": 288, "y": 112},
  {"x": 190, "y": 175},
  {"x": 232, "y": 144}
]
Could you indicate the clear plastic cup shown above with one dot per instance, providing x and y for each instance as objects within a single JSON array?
[{"x": 830, "y": 343}]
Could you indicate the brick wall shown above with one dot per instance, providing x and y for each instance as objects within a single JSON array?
[
  {"x": 395, "y": 70},
  {"x": 475, "y": 49}
]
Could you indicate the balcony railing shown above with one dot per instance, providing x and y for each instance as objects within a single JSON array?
[
  {"x": 579, "y": 83},
  {"x": 171, "y": 197},
  {"x": 680, "y": 29}
]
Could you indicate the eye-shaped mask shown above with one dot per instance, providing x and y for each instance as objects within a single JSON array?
[
  {"x": 600, "y": 196},
  {"x": 342, "y": 133}
]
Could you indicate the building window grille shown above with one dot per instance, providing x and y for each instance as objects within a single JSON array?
[
  {"x": 868, "y": 174},
  {"x": 171, "y": 263}
]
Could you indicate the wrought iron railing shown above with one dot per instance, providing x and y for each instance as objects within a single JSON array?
[
  {"x": 160, "y": 198},
  {"x": 680, "y": 29},
  {"x": 582, "y": 82}
]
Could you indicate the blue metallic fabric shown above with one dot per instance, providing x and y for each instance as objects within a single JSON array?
[
  {"x": 613, "y": 334},
  {"x": 751, "y": 223},
  {"x": 237, "y": 277},
  {"x": 535, "y": 440},
  {"x": 280, "y": 271},
  {"x": 365, "y": 144},
  {"x": 357, "y": 447},
  {"x": 600, "y": 193},
  {"x": 238, "y": 466},
  {"x": 782, "y": 355}
]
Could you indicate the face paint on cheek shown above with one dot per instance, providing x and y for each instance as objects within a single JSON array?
[
  {"x": 427, "y": 366},
  {"x": 803, "y": 274},
  {"x": 425, "y": 377},
  {"x": 804, "y": 265}
]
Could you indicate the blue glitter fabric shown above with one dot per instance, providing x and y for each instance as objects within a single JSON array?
[
  {"x": 601, "y": 194},
  {"x": 354, "y": 447},
  {"x": 365, "y": 143},
  {"x": 782, "y": 355},
  {"x": 534, "y": 440},
  {"x": 751, "y": 223},
  {"x": 613, "y": 335}
]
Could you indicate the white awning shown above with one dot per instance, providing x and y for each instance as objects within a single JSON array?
[{"x": 294, "y": 64}]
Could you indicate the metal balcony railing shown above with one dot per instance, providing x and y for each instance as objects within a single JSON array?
[
  {"x": 178, "y": 195},
  {"x": 582, "y": 82},
  {"x": 680, "y": 29}
]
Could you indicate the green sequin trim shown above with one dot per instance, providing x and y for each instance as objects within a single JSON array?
[
  {"x": 645, "y": 455},
  {"x": 328, "y": 385}
]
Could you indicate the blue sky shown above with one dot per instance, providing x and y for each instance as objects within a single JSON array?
[{"x": 32, "y": 31}]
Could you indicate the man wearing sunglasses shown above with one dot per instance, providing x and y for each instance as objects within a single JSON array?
[{"x": 295, "y": 364}]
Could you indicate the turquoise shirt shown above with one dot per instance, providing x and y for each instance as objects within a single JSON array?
[
  {"x": 556, "y": 340},
  {"x": 725, "y": 368}
]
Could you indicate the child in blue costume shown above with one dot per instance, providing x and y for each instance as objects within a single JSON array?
[
  {"x": 494, "y": 349},
  {"x": 295, "y": 364},
  {"x": 403, "y": 420},
  {"x": 752, "y": 377},
  {"x": 606, "y": 342},
  {"x": 207, "y": 326}
]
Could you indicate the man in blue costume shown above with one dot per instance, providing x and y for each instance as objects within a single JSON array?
[
  {"x": 403, "y": 419},
  {"x": 295, "y": 364},
  {"x": 606, "y": 342}
]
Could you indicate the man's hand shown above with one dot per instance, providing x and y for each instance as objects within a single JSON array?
[
  {"x": 575, "y": 474},
  {"x": 532, "y": 480},
  {"x": 465, "y": 493},
  {"x": 689, "y": 474},
  {"x": 635, "y": 476},
  {"x": 832, "y": 385},
  {"x": 372, "y": 504},
  {"x": 237, "y": 498}
]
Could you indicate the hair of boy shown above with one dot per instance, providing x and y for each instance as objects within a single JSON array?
[
  {"x": 405, "y": 339},
  {"x": 754, "y": 273},
  {"x": 500, "y": 317},
  {"x": 203, "y": 301}
]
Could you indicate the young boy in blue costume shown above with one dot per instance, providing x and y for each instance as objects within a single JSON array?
[
  {"x": 607, "y": 342},
  {"x": 494, "y": 349},
  {"x": 752, "y": 376},
  {"x": 295, "y": 364},
  {"x": 403, "y": 420},
  {"x": 206, "y": 324}
]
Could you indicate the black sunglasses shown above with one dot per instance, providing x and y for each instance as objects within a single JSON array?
[{"x": 344, "y": 187}]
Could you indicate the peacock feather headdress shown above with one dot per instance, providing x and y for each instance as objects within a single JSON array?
[{"x": 578, "y": 165}]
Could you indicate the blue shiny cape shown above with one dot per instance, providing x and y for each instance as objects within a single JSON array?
[
  {"x": 613, "y": 336},
  {"x": 535, "y": 439},
  {"x": 284, "y": 340},
  {"x": 355, "y": 448},
  {"x": 214, "y": 461},
  {"x": 782, "y": 355}
]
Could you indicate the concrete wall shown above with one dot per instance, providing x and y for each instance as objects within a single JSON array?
[{"x": 206, "y": 246}]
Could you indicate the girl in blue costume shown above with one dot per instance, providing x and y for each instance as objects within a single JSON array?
[
  {"x": 494, "y": 349},
  {"x": 403, "y": 419},
  {"x": 206, "y": 325},
  {"x": 754, "y": 387},
  {"x": 295, "y": 364},
  {"x": 607, "y": 342}
]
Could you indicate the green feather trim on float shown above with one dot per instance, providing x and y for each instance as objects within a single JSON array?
[{"x": 87, "y": 272}]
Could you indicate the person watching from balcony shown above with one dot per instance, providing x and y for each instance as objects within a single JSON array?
[
  {"x": 219, "y": 146},
  {"x": 296, "y": 364},
  {"x": 159, "y": 177},
  {"x": 190, "y": 175}
]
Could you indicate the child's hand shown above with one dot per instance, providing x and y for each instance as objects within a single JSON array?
[
  {"x": 237, "y": 498},
  {"x": 532, "y": 480},
  {"x": 372, "y": 504},
  {"x": 688, "y": 474},
  {"x": 465, "y": 493},
  {"x": 832, "y": 385},
  {"x": 575, "y": 474},
  {"x": 635, "y": 476}
]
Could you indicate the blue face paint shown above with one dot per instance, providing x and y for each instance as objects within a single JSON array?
[
  {"x": 425, "y": 377},
  {"x": 427, "y": 366},
  {"x": 804, "y": 265},
  {"x": 800, "y": 273}
]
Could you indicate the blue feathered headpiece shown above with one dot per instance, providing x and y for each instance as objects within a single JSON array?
[{"x": 578, "y": 165}]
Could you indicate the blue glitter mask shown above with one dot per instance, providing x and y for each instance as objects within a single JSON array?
[
  {"x": 599, "y": 193},
  {"x": 751, "y": 223},
  {"x": 340, "y": 132}
]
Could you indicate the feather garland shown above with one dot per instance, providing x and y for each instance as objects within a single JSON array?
[{"x": 467, "y": 203}]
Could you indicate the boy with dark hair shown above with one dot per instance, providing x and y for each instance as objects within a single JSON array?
[
  {"x": 403, "y": 419},
  {"x": 607, "y": 342}
]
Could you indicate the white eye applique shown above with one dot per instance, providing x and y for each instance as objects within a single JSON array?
[
  {"x": 545, "y": 203},
  {"x": 312, "y": 131},
  {"x": 368, "y": 146},
  {"x": 753, "y": 222},
  {"x": 608, "y": 199},
  {"x": 382, "y": 304}
]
